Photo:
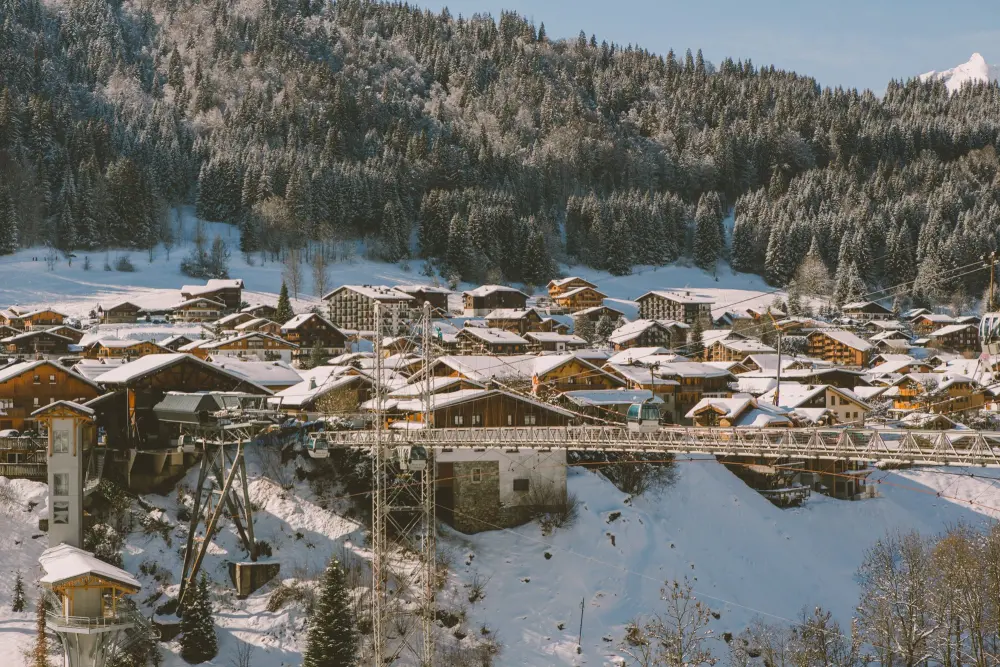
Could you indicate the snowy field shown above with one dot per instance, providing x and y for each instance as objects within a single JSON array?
[
  {"x": 745, "y": 558},
  {"x": 25, "y": 279}
]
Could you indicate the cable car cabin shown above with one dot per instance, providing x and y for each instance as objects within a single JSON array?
[
  {"x": 643, "y": 418},
  {"x": 188, "y": 444},
  {"x": 411, "y": 458},
  {"x": 989, "y": 333},
  {"x": 318, "y": 446}
]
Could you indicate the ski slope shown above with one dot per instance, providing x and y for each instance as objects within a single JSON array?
[{"x": 25, "y": 279}]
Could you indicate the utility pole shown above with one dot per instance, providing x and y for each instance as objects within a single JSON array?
[
  {"x": 429, "y": 504},
  {"x": 992, "y": 259},
  {"x": 579, "y": 638},
  {"x": 777, "y": 388},
  {"x": 380, "y": 555}
]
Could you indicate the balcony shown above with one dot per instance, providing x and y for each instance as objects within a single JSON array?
[{"x": 86, "y": 625}]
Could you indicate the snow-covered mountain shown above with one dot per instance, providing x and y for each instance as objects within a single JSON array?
[{"x": 977, "y": 69}]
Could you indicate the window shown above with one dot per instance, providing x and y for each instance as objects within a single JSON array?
[
  {"x": 458, "y": 420},
  {"x": 477, "y": 475},
  {"x": 37, "y": 379},
  {"x": 833, "y": 400},
  {"x": 60, "y": 512},
  {"x": 60, "y": 442},
  {"x": 477, "y": 420},
  {"x": 34, "y": 401},
  {"x": 521, "y": 485},
  {"x": 510, "y": 420},
  {"x": 529, "y": 420},
  {"x": 52, "y": 379},
  {"x": 60, "y": 484}
]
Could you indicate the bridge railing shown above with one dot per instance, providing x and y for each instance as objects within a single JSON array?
[{"x": 900, "y": 446}]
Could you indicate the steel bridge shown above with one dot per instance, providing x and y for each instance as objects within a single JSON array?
[{"x": 897, "y": 446}]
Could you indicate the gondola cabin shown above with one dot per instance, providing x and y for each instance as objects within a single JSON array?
[
  {"x": 643, "y": 418},
  {"x": 411, "y": 458},
  {"x": 318, "y": 446},
  {"x": 989, "y": 333}
]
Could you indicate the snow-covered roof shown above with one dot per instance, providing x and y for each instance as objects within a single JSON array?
[
  {"x": 859, "y": 305},
  {"x": 264, "y": 373},
  {"x": 316, "y": 382},
  {"x": 868, "y": 393},
  {"x": 213, "y": 285},
  {"x": 746, "y": 346},
  {"x": 601, "y": 397},
  {"x": 913, "y": 313},
  {"x": 678, "y": 296},
  {"x": 579, "y": 290},
  {"x": 635, "y": 354},
  {"x": 743, "y": 411},
  {"x": 641, "y": 375},
  {"x": 92, "y": 369},
  {"x": 553, "y": 337},
  {"x": 512, "y": 313},
  {"x": 951, "y": 329},
  {"x": 39, "y": 311},
  {"x": 153, "y": 363},
  {"x": 486, "y": 290},
  {"x": 495, "y": 336},
  {"x": 232, "y": 317},
  {"x": 213, "y": 344},
  {"x": 64, "y": 563},
  {"x": 692, "y": 369},
  {"x": 754, "y": 385},
  {"x": 633, "y": 330},
  {"x": 594, "y": 309},
  {"x": 33, "y": 334},
  {"x": 465, "y": 395},
  {"x": 559, "y": 282},
  {"x": 198, "y": 301},
  {"x": 939, "y": 318},
  {"x": 175, "y": 338},
  {"x": 416, "y": 389},
  {"x": 847, "y": 338},
  {"x": 426, "y": 289},
  {"x": 68, "y": 405},
  {"x": 892, "y": 366},
  {"x": 376, "y": 292},
  {"x": 793, "y": 394},
  {"x": 251, "y": 325},
  {"x": 299, "y": 320},
  {"x": 483, "y": 368}
]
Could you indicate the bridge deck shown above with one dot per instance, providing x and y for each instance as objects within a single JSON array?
[{"x": 891, "y": 446}]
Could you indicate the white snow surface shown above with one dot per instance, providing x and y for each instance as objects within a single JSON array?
[{"x": 976, "y": 70}]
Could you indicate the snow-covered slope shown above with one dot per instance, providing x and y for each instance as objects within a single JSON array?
[
  {"x": 976, "y": 70},
  {"x": 744, "y": 556}
]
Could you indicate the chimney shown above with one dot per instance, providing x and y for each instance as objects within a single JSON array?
[{"x": 312, "y": 383}]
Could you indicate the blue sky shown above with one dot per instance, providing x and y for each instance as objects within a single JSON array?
[{"x": 852, "y": 43}]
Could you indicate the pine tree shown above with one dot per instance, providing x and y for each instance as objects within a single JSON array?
[
  {"x": 284, "y": 309},
  {"x": 316, "y": 355},
  {"x": 18, "y": 601},
  {"x": 696, "y": 339},
  {"x": 198, "y": 641},
  {"x": 849, "y": 284},
  {"x": 332, "y": 639},
  {"x": 708, "y": 238},
  {"x": 8, "y": 223},
  {"x": 584, "y": 327},
  {"x": 605, "y": 327}
]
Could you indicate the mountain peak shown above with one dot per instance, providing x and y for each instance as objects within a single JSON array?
[{"x": 975, "y": 70}]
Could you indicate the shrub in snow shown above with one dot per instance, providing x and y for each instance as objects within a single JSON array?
[
  {"x": 332, "y": 639},
  {"x": 198, "y": 640},
  {"x": 124, "y": 264}
]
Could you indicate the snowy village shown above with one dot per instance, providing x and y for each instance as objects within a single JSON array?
[{"x": 362, "y": 333}]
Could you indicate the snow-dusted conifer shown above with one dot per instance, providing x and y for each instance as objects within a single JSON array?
[
  {"x": 332, "y": 640},
  {"x": 198, "y": 641}
]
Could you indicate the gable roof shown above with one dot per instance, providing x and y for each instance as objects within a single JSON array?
[
  {"x": 580, "y": 290},
  {"x": 486, "y": 290},
  {"x": 494, "y": 336},
  {"x": 678, "y": 296},
  {"x": 860, "y": 305},
  {"x": 299, "y": 320},
  {"x": 376, "y": 292},
  {"x": 32, "y": 334},
  {"x": 951, "y": 329},
  {"x": 64, "y": 563},
  {"x": 213, "y": 285},
  {"x": 21, "y": 367},
  {"x": 466, "y": 395},
  {"x": 793, "y": 395},
  {"x": 559, "y": 282},
  {"x": 154, "y": 363},
  {"x": 635, "y": 329},
  {"x": 196, "y": 301},
  {"x": 743, "y": 411},
  {"x": 219, "y": 342},
  {"x": 845, "y": 337},
  {"x": 512, "y": 314}
]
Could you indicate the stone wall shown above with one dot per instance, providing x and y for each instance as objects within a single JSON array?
[{"x": 477, "y": 504}]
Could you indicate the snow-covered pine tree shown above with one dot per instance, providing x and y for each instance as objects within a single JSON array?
[
  {"x": 620, "y": 258},
  {"x": 584, "y": 328},
  {"x": 605, "y": 327},
  {"x": 18, "y": 601},
  {"x": 708, "y": 239},
  {"x": 198, "y": 641},
  {"x": 284, "y": 308},
  {"x": 332, "y": 639},
  {"x": 849, "y": 286},
  {"x": 8, "y": 223},
  {"x": 696, "y": 340}
]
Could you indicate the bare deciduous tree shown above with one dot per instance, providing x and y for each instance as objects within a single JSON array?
[
  {"x": 320, "y": 272},
  {"x": 675, "y": 637},
  {"x": 292, "y": 271}
]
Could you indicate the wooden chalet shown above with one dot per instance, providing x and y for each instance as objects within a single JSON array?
[
  {"x": 681, "y": 306},
  {"x": 246, "y": 346},
  {"x": 559, "y": 373},
  {"x": 580, "y": 298},
  {"x": 261, "y": 324},
  {"x": 962, "y": 338},
  {"x": 561, "y": 286},
  {"x": 866, "y": 310},
  {"x": 310, "y": 331},
  {"x": 738, "y": 412},
  {"x": 735, "y": 349},
  {"x": 11, "y": 317},
  {"x": 29, "y": 385},
  {"x": 548, "y": 341},
  {"x": 936, "y": 393},
  {"x": 261, "y": 310},
  {"x": 43, "y": 318},
  {"x": 231, "y": 321},
  {"x": 481, "y": 408},
  {"x": 199, "y": 309},
  {"x": 839, "y": 347},
  {"x": 647, "y": 333},
  {"x": 819, "y": 405},
  {"x": 482, "y": 340},
  {"x": 67, "y": 331},
  {"x": 487, "y": 298},
  {"x": 927, "y": 323},
  {"x": 38, "y": 343},
  {"x": 126, "y": 413},
  {"x": 229, "y": 292},
  {"x": 328, "y": 390},
  {"x": 596, "y": 313},
  {"x": 122, "y": 349},
  {"x": 516, "y": 320},
  {"x": 436, "y": 296},
  {"x": 6, "y": 331},
  {"x": 125, "y": 312},
  {"x": 175, "y": 343}
]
